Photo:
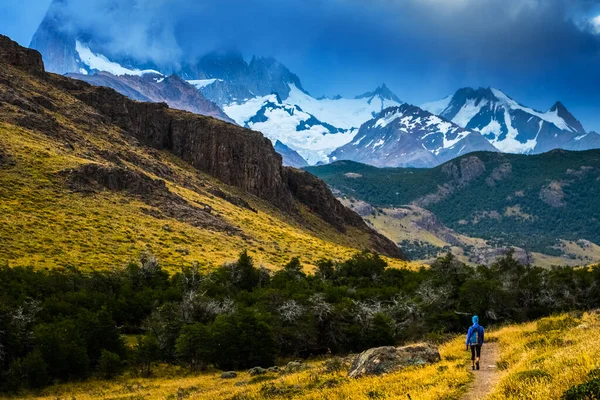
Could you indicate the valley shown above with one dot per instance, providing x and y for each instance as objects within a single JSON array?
[{"x": 480, "y": 204}]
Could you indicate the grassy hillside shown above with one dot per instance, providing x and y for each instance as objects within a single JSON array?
[
  {"x": 527, "y": 201},
  {"x": 44, "y": 224},
  {"x": 539, "y": 360},
  {"x": 78, "y": 189}
]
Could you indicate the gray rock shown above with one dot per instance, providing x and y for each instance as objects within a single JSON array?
[
  {"x": 229, "y": 375},
  {"x": 296, "y": 366},
  {"x": 382, "y": 360},
  {"x": 273, "y": 369},
  {"x": 257, "y": 371}
]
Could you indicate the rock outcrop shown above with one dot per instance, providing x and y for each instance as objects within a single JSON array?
[
  {"x": 13, "y": 54},
  {"x": 91, "y": 178},
  {"x": 383, "y": 360}
]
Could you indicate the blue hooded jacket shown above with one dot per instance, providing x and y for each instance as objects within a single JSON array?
[{"x": 475, "y": 329}]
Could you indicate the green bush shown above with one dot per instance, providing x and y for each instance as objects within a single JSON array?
[{"x": 110, "y": 364}]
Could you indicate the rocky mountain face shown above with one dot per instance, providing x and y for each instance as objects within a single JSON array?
[
  {"x": 234, "y": 155},
  {"x": 290, "y": 158},
  {"x": 260, "y": 77},
  {"x": 510, "y": 126},
  {"x": 157, "y": 88},
  {"x": 408, "y": 136}
]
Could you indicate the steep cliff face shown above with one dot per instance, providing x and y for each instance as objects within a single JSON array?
[
  {"x": 238, "y": 157},
  {"x": 13, "y": 54}
]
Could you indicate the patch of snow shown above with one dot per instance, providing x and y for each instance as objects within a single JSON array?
[
  {"x": 313, "y": 144},
  {"x": 550, "y": 116},
  {"x": 342, "y": 113},
  {"x": 468, "y": 111},
  {"x": 380, "y": 143},
  {"x": 83, "y": 71},
  {"x": 510, "y": 144},
  {"x": 202, "y": 83},
  {"x": 437, "y": 107},
  {"x": 581, "y": 137},
  {"x": 493, "y": 127},
  {"x": 101, "y": 63},
  {"x": 356, "y": 143}
]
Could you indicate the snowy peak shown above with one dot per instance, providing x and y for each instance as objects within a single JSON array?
[
  {"x": 382, "y": 92},
  {"x": 409, "y": 136},
  {"x": 506, "y": 123},
  {"x": 564, "y": 114}
]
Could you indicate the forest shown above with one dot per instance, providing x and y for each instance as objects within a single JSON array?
[
  {"x": 61, "y": 325},
  {"x": 507, "y": 199}
]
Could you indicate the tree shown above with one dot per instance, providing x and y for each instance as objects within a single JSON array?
[
  {"x": 242, "y": 340},
  {"x": 109, "y": 365},
  {"x": 195, "y": 346},
  {"x": 381, "y": 331},
  {"x": 146, "y": 352}
]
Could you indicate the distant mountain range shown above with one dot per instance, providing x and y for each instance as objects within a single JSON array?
[
  {"x": 375, "y": 128},
  {"x": 512, "y": 127}
]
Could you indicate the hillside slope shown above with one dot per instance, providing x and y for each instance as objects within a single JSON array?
[
  {"x": 89, "y": 178},
  {"x": 532, "y": 202}
]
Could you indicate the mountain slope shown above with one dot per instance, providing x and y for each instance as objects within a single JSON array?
[
  {"x": 510, "y": 126},
  {"x": 289, "y": 157},
  {"x": 90, "y": 177},
  {"x": 408, "y": 136},
  {"x": 157, "y": 88},
  {"x": 532, "y": 202}
]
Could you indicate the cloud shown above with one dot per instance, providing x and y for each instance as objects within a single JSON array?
[{"x": 422, "y": 48}]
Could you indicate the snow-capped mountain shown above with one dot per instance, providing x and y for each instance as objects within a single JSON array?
[
  {"x": 408, "y": 136},
  {"x": 510, "y": 126},
  {"x": 312, "y": 127}
]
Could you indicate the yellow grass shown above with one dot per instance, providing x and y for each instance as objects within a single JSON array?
[
  {"x": 45, "y": 225},
  {"x": 560, "y": 350}
]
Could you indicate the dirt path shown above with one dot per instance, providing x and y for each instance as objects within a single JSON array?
[{"x": 488, "y": 376}]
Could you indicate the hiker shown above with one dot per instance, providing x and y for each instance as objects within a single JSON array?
[{"x": 475, "y": 340}]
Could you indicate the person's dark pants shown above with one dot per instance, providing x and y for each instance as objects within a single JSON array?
[{"x": 475, "y": 351}]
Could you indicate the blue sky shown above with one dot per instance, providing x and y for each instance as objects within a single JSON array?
[{"x": 537, "y": 51}]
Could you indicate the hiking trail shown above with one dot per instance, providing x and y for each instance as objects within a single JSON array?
[{"x": 488, "y": 376}]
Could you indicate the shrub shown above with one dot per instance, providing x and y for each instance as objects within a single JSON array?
[
  {"x": 31, "y": 371},
  {"x": 589, "y": 390},
  {"x": 110, "y": 364}
]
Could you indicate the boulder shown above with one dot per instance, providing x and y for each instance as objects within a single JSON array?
[
  {"x": 273, "y": 369},
  {"x": 382, "y": 360},
  {"x": 296, "y": 366},
  {"x": 228, "y": 375},
  {"x": 257, "y": 371}
]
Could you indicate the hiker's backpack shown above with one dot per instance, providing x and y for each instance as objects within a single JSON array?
[{"x": 474, "y": 336}]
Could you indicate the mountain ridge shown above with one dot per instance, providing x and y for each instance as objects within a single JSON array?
[{"x": 409, "y": 136}]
